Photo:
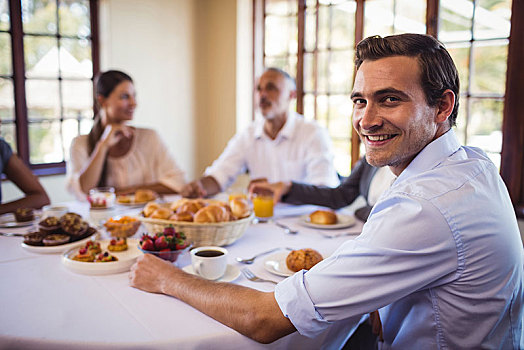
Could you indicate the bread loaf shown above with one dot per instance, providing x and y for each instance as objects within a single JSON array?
[
  {"x": 144, "y": 196},
  {"x": 161, "y": 213},
  {"x": 211, "y": 213},
  {"x": 323, "y": 217},
  {"x": 182, "y": 216},
  {"x": 239, "y": 207},
  {"x": 190, "y": 207}
]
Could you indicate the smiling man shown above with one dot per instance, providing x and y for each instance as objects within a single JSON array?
[
  {"x": 440, "y": 256},
  {"x": 280, "y": 146}
]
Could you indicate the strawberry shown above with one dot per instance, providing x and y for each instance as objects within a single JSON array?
[
  {"x": 161, "y": 243},
  {"x": 147, "y": 244},
  {"x": 113, "y": 242},
  {"x": 180, "y": 246},
  {"x": 164, "y": 253},
  {"x": 169, "y": 231}
]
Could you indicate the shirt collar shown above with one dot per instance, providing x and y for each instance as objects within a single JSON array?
[
  {"x": 286, "y": 131},
  {"x": 433, "y": 154}
]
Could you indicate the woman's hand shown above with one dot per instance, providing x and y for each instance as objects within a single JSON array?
[{"x": 114, "y": 133}]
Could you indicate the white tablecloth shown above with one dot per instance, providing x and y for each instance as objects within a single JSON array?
[{"x": 46, "y": 306}]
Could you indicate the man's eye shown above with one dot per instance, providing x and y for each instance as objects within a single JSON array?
[
  {"x": 391, "y": 99},
  {"x": 358, "y": 101}
]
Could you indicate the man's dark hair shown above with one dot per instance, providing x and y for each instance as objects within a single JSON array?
[{"x": 438, "y": 72}]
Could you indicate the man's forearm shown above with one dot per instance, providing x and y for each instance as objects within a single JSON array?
[{"x": 252, "y": 313}]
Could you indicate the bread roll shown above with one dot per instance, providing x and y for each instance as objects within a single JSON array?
[
  {"x": 323, "y": 217},
  {"x": 239, "y": 207},
  {"x": 190, "y": 206},
  {"x": 182, "y": 216},
  {"x": 161, "y": 213},
  {"x": 303, "y": 259},
  {"x": 211, "y": 213},
  {"x": 150, "y": 208},
  {"x": 145, "y": 196}
]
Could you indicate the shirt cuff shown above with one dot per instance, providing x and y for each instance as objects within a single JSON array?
[{"x": 295, "y": 303}]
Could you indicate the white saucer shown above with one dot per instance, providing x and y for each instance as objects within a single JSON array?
[
  {"x": 232, "y": 273},
  {"x": 343, "y": 221}
]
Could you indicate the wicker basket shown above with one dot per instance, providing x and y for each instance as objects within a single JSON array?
[{"x": 202, "y": 234}]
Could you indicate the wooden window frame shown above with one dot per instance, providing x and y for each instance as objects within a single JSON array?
[
  {"x": 512, "y": 153},
  {"x": 19, "y": 80}
]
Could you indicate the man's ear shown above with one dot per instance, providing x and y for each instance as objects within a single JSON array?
[{"x": 445, "y": 106}]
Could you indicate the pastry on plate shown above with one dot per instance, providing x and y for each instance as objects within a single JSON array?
[
  {"x": 303, "y": 259},
  {"x": 323, "y": 217},
  {"x": 50, "y": 224},
  {"x": 142, "y": 196},
  {"x": 84, "y": 255},
  {"x": 34, "y": 238},
  {"x": 105, "y": 257},
  {"x": 56, "y": 239},
  {"x": 117, "y": 245},
  {"x": 24, "y": 214}
]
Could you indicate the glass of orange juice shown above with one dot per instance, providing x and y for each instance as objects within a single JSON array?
[{"x": 263, "y": 206}]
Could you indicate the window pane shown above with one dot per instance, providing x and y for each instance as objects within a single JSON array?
[
  {"x": 342, "y": 160},
  {"x": 41, "y": 57},
  {"x": 492, "y": 19},
  {"x": 323, "y": 72},
  {"x": 489, "y": 67},
  {"x": 309, "y": 106},
  {"x": 410, "y": 17},
  {"x": 7, "y": 100},
  {"x": 322, "y": 110},
  {"x": 42, "y": 99},
  {"x": 460, "y": 54},
  {"x": 4, "y": 15},
  {"x": 39, "y": 16},
  {"x": 324, "y": 20},
  {"x": 281, "y": 7},
  {"x": 455, "y": 20},
  {"x": 75, "y": 58},
  {"x": 485, "y": 124},
  {"x": 341, "y": 71},
  {"x": 309, "y": 82},
  {"x": 343, "y": 27},
  {"x": 461, "y": 121},
  {"x": 281, "y": 35},
  {"x": 69, "y": 132},
  {"x": 74, "y": 18},
  {"x": 85, "y": 126},
  {"x": 5, "y": 54},
  {"x": 339, "y": 125},
  {"x": 8, "y": 133},
  {"x": 77, "y": 98},
  {"x": 378, "y": 17},
  {"x": 310, "y": 35},
  {"x": 45, "y": 143},
  {"x": 279, "y": 62}
]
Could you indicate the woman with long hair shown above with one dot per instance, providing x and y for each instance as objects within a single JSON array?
[{"x": 117, "y": 154}]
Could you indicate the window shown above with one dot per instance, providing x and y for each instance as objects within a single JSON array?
[
  {"x": 314, "y": 39},
  {"x": 48, "y": 52}
]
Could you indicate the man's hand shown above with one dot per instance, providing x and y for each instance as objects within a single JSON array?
[
  {"x": 149, "y": 273},
  {"x": 278, "y": 189},
  {"x": 194, "y": 189}
]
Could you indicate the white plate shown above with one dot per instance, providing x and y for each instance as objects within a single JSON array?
[
  {"x": 276, "y": 264},
  {"x": 125, "y": 260},
  {"x": 232, "y": 273},
  {"x": 343, "y": 221},
  {"x": 8, "y": 221},
  {"x": 56, "y": 248}
]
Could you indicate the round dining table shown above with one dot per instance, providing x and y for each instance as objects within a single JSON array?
[{"x": 46, "y": 305}]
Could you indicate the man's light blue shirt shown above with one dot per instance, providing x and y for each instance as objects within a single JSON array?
[{"x": 440, "y": 256}]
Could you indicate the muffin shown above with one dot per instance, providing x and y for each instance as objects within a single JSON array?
[{"x": 303, "y": 259}]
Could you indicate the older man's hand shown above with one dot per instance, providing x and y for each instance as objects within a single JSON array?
[
  {"x": 194, "y": 189},
  {"x": 150, "y": 273}
]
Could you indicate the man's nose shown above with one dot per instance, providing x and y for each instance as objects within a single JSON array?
[{"x": 369, "y": 117}]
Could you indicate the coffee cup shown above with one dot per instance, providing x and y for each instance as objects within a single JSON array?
[
  {"x": 209, "y": 262},
  {"x": 54, "y": 210}
]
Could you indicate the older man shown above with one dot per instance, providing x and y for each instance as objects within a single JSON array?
[
  {"x": 280, "y": 147},
  {"x": 440, "y": 256}
]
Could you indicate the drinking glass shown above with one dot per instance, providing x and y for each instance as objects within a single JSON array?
[{"x": 263, "y": 206}]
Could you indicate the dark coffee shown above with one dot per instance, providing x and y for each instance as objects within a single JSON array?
[{"x": 209, "y": 253}]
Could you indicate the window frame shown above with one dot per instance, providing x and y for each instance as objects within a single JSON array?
[
  {"x": 512, "y": 155},
  {"x": 19, "y": 82}
]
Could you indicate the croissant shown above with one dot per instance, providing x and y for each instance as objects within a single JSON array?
[
  {"x": 161, "y": 213},
  {"x": 239, "y": 207},
  {"x": 211, "y": 213},
  {"x": 150, "y": 208},
  {"x": 182, "y": 216},
  {"x": 190, "y": 206}
]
